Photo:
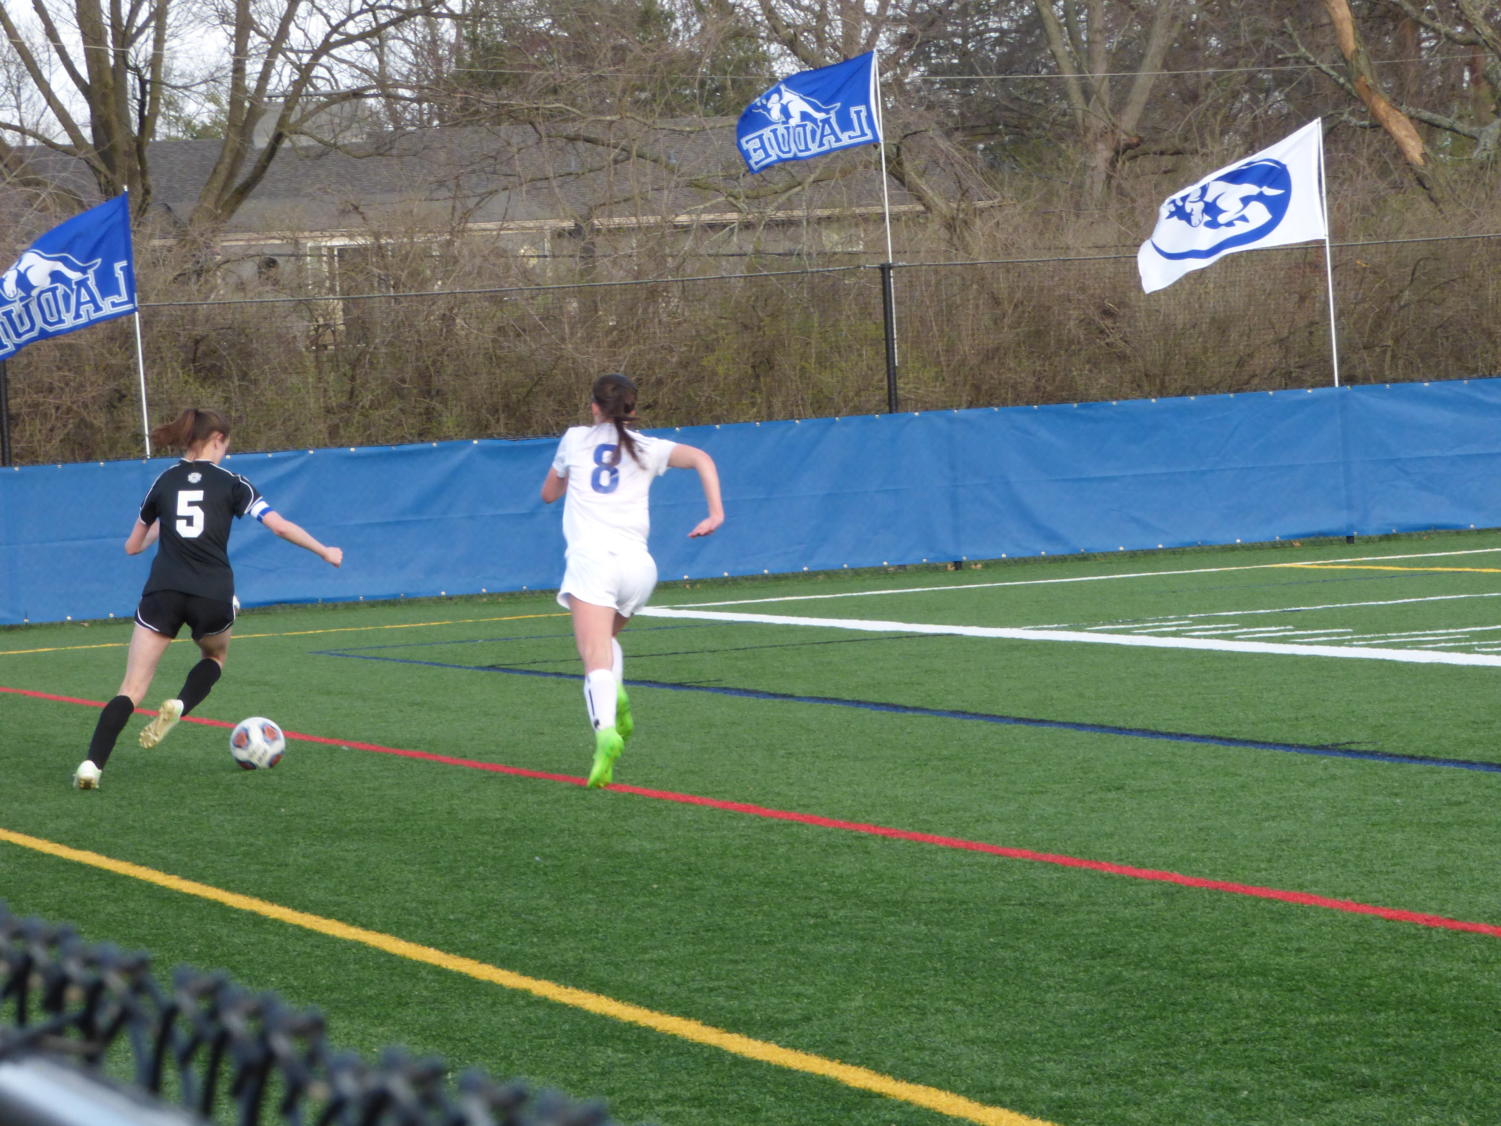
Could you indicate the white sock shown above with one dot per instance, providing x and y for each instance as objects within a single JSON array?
[
  {"x": 599, "y": 695},
  {"x": 617, "y": 661}
]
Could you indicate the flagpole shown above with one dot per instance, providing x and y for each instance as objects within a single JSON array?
[
  {"x": 1339, "y": 403},
  {"x": 141, "y": 372},
  {"x": 888, "y": 287},
  {"x": 135, "y": 319},
  {"x": 875, "y": 70},
  {"x": 1328, "y": 262}
]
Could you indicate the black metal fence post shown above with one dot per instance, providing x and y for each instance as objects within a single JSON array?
[
  {"x": 4, "y": 417},
  {"x": 888, "y": 310}
]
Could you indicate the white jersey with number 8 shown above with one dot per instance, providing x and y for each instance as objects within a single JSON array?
[{"x": 606, "y": 508}]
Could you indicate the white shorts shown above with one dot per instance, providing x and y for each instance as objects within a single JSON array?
[{"x": 624, "y": 581}]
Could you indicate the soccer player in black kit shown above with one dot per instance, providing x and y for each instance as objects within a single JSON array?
[{"x": 188, "y": 512}]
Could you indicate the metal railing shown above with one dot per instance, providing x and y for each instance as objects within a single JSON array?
[{"x": 88, "y": 1037}]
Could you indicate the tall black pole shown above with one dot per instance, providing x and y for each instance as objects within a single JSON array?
[
  {"x": 4, "y": 417},
  {"x": 888, "y": 311}
]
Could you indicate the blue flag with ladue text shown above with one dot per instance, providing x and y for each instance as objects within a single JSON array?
[
  {"x": 79, "y": 273},
  {"x": 812, "y": 113}
]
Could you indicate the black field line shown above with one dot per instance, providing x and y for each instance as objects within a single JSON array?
[{"x": 1316, "y": 749}]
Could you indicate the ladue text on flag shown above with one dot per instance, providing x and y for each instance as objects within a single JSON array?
[
  {"x": 58, "y": 294},
  {"x": 813, "y": 133}
]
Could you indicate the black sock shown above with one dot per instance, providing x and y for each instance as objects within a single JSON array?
[
  {"x": 111, "y": 722},
  {"x": 201, "y": 679}
]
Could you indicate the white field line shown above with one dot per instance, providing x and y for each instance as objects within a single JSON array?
[
  {"x": 1115, "y": 626},
  {"x": 1312, "y": 563},
  {"x": 1163, "y": 625},
  {"x": 1217, "y": 645},
  {"x": 1432, "y": 638},
  {"x": 1331, "y": 634},
  {"x": 1451, "y": 629},
  {"x": 1257, "y": 633},
  {"x": 1185, "y": 619}
]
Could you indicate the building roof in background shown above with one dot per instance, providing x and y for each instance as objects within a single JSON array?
[{"x": 610, "y": 173}]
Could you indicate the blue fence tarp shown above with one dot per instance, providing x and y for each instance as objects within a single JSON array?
[{"x": 818, "y": 494}]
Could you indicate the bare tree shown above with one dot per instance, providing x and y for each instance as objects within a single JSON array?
[
  {"x": 561, "y": 60},
  {"x": 102, "y": 74},
  {"x": 1090, "y": 43},
  {"x": 1453, "y": 92},
  {"x": 1361, "y": 80}
]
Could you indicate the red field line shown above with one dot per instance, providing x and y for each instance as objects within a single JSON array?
[{"x": 1304, "y": 899}]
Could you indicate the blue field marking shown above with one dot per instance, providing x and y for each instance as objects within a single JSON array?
[{"x": 1325, "y": 750}]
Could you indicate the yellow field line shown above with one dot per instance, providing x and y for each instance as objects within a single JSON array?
[
  {"x": 930, "y": 1098},
  {"x": 1377, "y": 567},
  {"x": 407, "y": 625},
  {"x": 63, "y": 648},
  {"x": 295, "y": 633}
]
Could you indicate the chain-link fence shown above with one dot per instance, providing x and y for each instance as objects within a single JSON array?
[
  {"x": 474, "y": 360},
  {"x": 88, "y": 1035}
]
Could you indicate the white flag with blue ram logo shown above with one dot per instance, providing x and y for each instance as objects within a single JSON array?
[
  {"x": 1274, "y": 198},
  {"x": 79, "y": 273},
  {"x": 812, "y": 113}
]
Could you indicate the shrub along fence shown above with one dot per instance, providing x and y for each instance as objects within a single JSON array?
[{"x": 403, "y": 361}]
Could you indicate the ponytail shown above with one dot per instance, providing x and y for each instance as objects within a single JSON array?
[
  {"x": 191, "y": 428},
  {"x": 616, "y": 397}
]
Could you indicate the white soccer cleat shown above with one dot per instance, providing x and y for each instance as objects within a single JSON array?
[
  {"x": 86, "y": 777},
  {"x": 166, "y": 719}
]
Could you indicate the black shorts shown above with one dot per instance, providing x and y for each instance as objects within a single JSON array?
[{"x": 165, "y": 611}]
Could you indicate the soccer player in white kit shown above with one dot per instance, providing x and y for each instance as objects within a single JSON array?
[{"x": 606, "y": 471}]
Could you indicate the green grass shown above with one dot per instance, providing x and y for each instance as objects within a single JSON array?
[{"x": 1077, "y": 997}]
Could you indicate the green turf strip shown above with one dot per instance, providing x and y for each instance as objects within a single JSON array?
[{"x": 1076, "y": 997}]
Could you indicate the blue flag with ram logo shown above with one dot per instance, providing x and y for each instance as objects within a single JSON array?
[
  {"x": 79, "y": 273},
  {"x": 812, "y": 113}
]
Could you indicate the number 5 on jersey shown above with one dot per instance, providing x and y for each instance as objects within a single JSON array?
[{"x": 190, "y": 513}]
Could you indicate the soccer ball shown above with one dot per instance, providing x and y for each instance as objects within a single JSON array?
[{"x": 257, "y": 742}]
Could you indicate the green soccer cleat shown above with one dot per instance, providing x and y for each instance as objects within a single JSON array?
[
  {"x": 166, "y": 719},
  {"x": 607, "y": 747},
  {"x": 624, "y": 723}
]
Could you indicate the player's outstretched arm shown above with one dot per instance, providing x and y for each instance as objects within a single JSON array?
[
  {"x": 295, "y": 533},
  {"x": 142, "y": 536},
  {"x": 691, "y": 457},
  {"x": 553, "y": 486}
]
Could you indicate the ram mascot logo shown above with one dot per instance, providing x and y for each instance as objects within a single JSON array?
[
  {"x": 1238, "y": 207},
  {"x": 48, "y": 293},
  {"x": 787, "y": 107},
  {"x": 34, "y": 270}
]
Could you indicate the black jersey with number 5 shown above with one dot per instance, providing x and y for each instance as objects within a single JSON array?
[{"x": 197, "y": 503}]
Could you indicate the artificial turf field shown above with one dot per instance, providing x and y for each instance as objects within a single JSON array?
[{"x": 1190, "y": 838}]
